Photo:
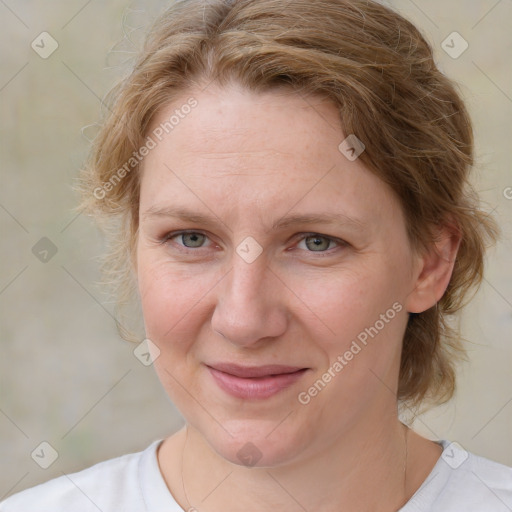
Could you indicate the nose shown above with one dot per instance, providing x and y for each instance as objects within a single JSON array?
[{"x": 250, "y": 304}]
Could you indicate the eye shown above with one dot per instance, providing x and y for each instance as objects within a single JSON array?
[
  {"x": 188, "y": 239},
  {"x": 315, "y": 242},
  {"x": 310, "y": 242}
]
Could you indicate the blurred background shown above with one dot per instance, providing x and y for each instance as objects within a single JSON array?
[{"x": 66, "y": 377}]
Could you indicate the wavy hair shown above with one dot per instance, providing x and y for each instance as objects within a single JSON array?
[{"x": 378, "y": 70}]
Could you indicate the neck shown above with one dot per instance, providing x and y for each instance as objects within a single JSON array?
[{"x": 363, "y": 469}]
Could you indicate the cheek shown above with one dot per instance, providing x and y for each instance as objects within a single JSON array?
[
  {"x": 173, "y": 305},
  {"x": 348, "y": 302},
  {"x": 171, "y": 299},
  {"x": 366, "y": 319}
]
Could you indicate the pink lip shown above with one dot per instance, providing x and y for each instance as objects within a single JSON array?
[{"x": 256, "y": 381}]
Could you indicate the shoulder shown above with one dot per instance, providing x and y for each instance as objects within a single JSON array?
[
  {"x": 110, "y": 485},
  {"x": 462, "y": 480},
  {"x": 485, "y": 482}
]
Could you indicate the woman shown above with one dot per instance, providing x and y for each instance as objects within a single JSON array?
[{"x": 289, "y": 186}]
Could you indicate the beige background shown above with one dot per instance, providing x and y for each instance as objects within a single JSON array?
[{"x": 65, "y": 376}]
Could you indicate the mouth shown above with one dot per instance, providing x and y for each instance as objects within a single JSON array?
[{"x": 254, "y": 382}]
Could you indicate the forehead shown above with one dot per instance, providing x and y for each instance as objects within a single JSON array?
[
  {"x": 232, "y": 120},
  {"x": 261, "y": 150}
]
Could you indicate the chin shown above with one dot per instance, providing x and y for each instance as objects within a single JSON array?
[{"x": 251, "y": 445}]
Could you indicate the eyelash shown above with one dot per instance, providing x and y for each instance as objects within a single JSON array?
[{"x": 341, "y": 243}]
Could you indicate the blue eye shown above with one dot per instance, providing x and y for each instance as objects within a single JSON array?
[
  {"x": 310, "y": 242},
  {"x": 189, "y": 239},
  {"x": 318, "y": 243},
  {"x": 192, "y": 239}
]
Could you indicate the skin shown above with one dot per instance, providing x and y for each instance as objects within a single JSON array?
[{"x": 247, "y": 160}]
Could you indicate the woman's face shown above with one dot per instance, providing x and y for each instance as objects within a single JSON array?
[{"x": 293, "y": 254}]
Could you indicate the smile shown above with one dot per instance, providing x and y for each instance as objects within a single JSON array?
[{"x": 255, "y": 387}]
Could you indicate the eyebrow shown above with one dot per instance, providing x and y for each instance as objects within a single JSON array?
[{"x": 284, "y": 222}]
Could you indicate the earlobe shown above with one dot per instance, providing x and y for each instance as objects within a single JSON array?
[{"x": 434, "y": 270}]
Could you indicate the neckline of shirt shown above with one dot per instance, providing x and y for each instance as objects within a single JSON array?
[{"x": 156, "y": 494}]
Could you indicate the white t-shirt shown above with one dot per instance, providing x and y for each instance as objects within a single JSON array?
[{"x": 459, "y": 482}]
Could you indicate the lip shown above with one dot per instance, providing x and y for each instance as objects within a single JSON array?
[{"x": 254, "y": 382}]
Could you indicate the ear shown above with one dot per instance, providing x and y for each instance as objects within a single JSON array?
[{"x": 433, "y": 270}]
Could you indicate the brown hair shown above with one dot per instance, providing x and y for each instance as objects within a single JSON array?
[{"x": 378, "y": 69}]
